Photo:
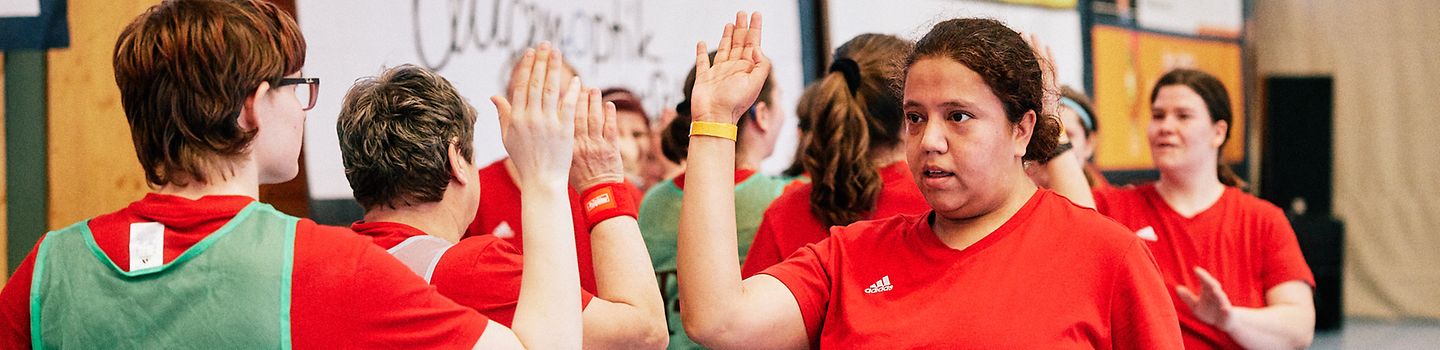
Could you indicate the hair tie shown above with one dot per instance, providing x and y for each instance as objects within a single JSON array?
[
  {"x": 1085, "y": 120},
  {"x": 683, "y": 108},
  {"x": 851, "y": 70}
]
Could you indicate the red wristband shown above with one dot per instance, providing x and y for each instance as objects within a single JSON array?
[{"x": 608, "y": 200}]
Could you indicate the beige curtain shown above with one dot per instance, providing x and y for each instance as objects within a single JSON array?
[{"x": 1385, "y": 58}]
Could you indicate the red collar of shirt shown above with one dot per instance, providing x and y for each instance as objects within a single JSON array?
[
  {"x": 186, "y": 222},
  {"x": 386, "y": 234},
  {"x": 740, "y": 176},
  {"x": 1164, "y": 208},
  {"x": 932, "y": 244},
  {"x": 186, "y": 215}
]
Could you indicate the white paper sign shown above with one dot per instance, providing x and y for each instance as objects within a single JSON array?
[
  {"x": 19, "y": 8},
  {"x": 644, "y": 45}
]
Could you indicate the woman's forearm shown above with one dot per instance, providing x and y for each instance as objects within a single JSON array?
[{"x": 547, "y": 315}]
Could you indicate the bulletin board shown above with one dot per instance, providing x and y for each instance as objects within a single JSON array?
[{"x": 1127, "y": 62}]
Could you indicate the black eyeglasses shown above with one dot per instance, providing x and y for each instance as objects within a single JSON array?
[{"x": 306, "y": 92}]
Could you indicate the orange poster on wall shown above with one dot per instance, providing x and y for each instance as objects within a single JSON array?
[{"x": 1127, "y": 64}]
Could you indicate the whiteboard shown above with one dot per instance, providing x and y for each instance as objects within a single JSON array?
[
  {"x": 911, "y": 19},
  {"x": 647, "y": 46}
]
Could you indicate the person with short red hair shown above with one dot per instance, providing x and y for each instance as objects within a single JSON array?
[{"x": 216, "y": 105}]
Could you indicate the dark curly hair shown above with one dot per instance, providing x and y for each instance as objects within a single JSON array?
[{"x": 1006, "y": 63}]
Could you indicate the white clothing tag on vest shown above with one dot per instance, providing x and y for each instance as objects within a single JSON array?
[{"x": 147, "y": 245}]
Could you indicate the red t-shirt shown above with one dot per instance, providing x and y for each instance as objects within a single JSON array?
[
  {"x": 345, "y": 291},
  {"x": 1243, "y": 241},
  {"x": 499, "y": 215},
  {"x": 481, "y": 272},
  {"x": 789, "y": 224},
  {"x": 1053, "y": 276}
]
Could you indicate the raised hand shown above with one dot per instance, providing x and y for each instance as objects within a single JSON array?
[
  {"x": 727, "y": 87},
  {"x": 1050, "y": 101},
  {"x": 597, "y": 143},
  {"x": 537, "y": 123},
  {"x": 1212, "y": 305}
]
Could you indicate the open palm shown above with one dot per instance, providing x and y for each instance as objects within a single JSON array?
[
  {"x": 727, "y": 87},
  {"x": 537, "y": 124},
  {"x": 1212, "y": 305}
]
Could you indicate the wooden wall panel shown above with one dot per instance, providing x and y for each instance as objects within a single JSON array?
[{"x": 93, "y": 169}]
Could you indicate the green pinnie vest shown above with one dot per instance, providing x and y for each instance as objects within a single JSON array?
[{"x": 230, "y": 290}]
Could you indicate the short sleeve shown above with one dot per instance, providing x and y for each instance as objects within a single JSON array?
[
  {"x": 808, "y": 276},
  {"x": 1283, "y": 261},
  {"x": 349, "y": 293},
  {"x": 764, "y": 250},
  {"x": 1142, "y": 316},
  {"x": 483, "y": 273},
  {"x": 659, "y": 217}
]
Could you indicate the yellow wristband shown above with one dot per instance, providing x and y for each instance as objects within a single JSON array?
[{"x": 722, "y": 130}]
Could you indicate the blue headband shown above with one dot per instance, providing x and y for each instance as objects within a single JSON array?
[{"x": 1080, "y": 111}]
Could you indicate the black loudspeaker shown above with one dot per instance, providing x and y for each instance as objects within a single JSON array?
[
  {"x": 1297, "y": 163},
  {"x": 1322, "y": 241},
  {"x": 1295, "y": 174}
]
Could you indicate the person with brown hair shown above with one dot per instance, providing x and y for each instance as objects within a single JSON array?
[
  {"x": 998, "y": 263},
  {"x": 634, "y": 125},
  {"x": 660, "y": 168},
  {"x": 854, "y": 156},
  {"x": 406, "y": 138},
  {"x": 1231, "y": 259},
  {"x": 804, "y": 113},
  {"x": 216, "y": 105},
  {"x": 1082, "y": 128},
  {"x": 757, "y": 131}
]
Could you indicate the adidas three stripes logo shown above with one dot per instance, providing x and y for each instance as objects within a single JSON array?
[{"x": 883, "y": 285}]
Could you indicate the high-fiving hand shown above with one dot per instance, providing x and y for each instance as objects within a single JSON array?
[
  {"x": 727, "y": 87},
  {"x": 1050, "y": 101},
  {"x": 537, "y": 122},
  {"x": 597, "y": 144}
]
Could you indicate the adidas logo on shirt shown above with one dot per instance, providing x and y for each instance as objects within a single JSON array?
[
  {"x": 883, "y": 285},
  {"x": 503, "y": 230},
  {"x": 1147, "y": 233}
]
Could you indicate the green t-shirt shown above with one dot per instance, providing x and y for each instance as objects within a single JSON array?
[{"x": 659, "y": 224}]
